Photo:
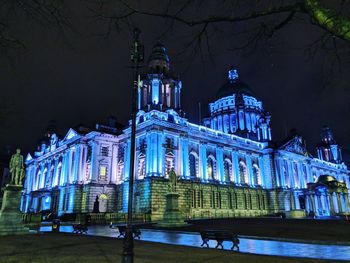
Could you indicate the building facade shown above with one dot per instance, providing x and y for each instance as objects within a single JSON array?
[{"x": 227, "y": 166}]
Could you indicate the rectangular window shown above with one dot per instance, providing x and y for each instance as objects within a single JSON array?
[
  {"x": 104, "y": 150},
  {"x": 202, "y": 198},
  {"x": 199, "y": 199},
  {"x": 103, "y": 172},
  {"x": 236, "y": 201},
  {"x": 193, "y": 198},
  {"x": 258, "y": 201},
  {"x": 219, "y": 200},
  {"x": 229, "y": 197},
  {"x": 250, "y": 201},
  {"x": 263, "y": 202},
  {"x": 212, "y": 199}
]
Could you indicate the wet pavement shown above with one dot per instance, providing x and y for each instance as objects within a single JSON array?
[{"x": 247, "y": 245}]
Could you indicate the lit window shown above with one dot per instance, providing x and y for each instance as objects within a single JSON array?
[{"x": 103, "y": 172}]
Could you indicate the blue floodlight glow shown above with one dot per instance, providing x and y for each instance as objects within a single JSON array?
[{"x": 228, "y": 156}]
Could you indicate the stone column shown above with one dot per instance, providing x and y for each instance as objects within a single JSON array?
[
  {"x": 250, "y": 169},
  {"x": 278, "y": 172},
  {"x": 76, "y": 162},
  {"x": 340, "y": 207},
  {"x": 290, "y": 174},
  {"x": 235, "y": 166},
  {"x": 335, "y": 202},
  {"x": 220, "y": 163},
  {"x": 302, "y": 183},
  {"x": 281, "y": 171},
  {"x": 262, "y": 171},
  {"x": 161, "y": 155},
  {"x": 114, "y": 164},
  {"x": 185, "y": 157},
  {"x": 127, "y": 160},
  {"x": 203, "y": 161},
  {"x": 82, "y": 166}
]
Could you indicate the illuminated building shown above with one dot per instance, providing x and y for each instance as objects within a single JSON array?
[{"x": 227, "y": 166}]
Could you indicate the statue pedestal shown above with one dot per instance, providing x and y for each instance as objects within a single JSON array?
[
  {"x": 10, "y": 215},
  {"x": 172, "y": 215}
]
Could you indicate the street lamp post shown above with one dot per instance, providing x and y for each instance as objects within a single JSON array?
[{"x": 137, "y": 55}]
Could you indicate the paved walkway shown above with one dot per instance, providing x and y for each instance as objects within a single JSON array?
[{"x": 247, "y": 245}]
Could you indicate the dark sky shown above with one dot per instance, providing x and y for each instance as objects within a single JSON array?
[{"x": 83, "y": 77}]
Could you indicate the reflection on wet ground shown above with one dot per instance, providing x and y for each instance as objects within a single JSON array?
[{"x": 247, "y": 245}]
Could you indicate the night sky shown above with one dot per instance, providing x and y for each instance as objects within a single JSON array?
[{"x": 84, "y": 76}]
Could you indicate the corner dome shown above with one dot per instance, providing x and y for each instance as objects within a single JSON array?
[
  {"x": 325, "y": 179},
  {"x": 158, "y": 60},
  {"x": 234, "y": 86}
]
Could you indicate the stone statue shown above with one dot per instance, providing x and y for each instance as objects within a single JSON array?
[
  {"x": 172, "y": 181},
  {"x": 17, "y": 168}
]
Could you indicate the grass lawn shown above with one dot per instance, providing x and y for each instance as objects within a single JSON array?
[{"x": 60, "y": 247}]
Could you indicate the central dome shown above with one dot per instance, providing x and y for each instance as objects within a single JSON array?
[{"x": 234, "y": 86}]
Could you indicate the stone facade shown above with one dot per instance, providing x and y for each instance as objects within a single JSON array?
[{"x": 227, "y": 166}]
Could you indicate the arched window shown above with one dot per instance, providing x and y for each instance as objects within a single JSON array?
[
  {"x": 256, "y": 174},
  {"x": 193, "y": 165},
  {"x": 211, "y": 168},
  {"x": 57, "y": 175},
  {"x": 243, "y": 173},
  {"x": 169, "y": 163},
  {"x": 49, "y": 177},
  {"x": 38, "y": 176},
  {"x": 227, "y": 170},
  {"x": 43, "y": 179},
  {"x": 142, "y": 167}
]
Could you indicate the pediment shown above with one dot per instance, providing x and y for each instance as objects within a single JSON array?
[
  {"x": 70, "y": 135},
  {"x": 295, "y": 145},
  {"x": 28, "y": 157}
]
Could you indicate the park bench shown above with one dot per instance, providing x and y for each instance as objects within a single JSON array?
[
  {"x": 79, "y": 229},
  {"x": 219, "y": 236},
  {"x": 122, "y": 229}
]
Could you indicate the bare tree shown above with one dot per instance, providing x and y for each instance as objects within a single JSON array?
[
  {"x": 15, "y": 14},
  {"x": 206, "y": 17}
]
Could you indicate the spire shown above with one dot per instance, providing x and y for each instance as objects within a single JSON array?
[
  {"x": 327, "y": 136},
  {"x": 233, "y": 75},
  {"x": 158, "y": 61}
]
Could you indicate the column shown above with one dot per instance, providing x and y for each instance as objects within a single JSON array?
[
  {"x": 250, "y": 169},
  {"x": 340, "y": 207},
  {"x": 114, "y": 164},
  {"x": 290, "y": 173},
  {"x": 235, "y": 166},
  {"x": 281, "y": 166},
  {"x": 220, "y": 163},
  {"x": 262, "y": 171},
  {"x": 82, "y": 169},
  {"x": 70, "y": 166},
  {"x": 330, "y": 202},
  {"x": 302, "y": 183},
  {"x": 63, "y": 169},
  {"x": 183, "y": 160},
  {"x": 42, "y": 175},
  {"x": 160, "y": 154},
  {"x": 76, "y": 162},
  {"x": 203, "y": 161},
  {"x": 335, "y": 202},
  {"x": 127, "y": 160}
]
